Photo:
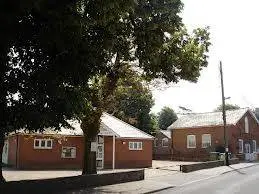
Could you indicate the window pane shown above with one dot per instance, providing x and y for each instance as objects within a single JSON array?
[
  {"x": 206, "y": 140},
  {"x": 240, "y": 145},
  {"x": 130, "y": 145},
  {"x": 36, "y": 143},
  {"x": 135, "y": 145},
  {"x": 43, "y": 143},
  {"x": 49, "y": 143},
  {"x": 246, "y": 125},
  {"x": 191, "y": 141},
  {"x": 140, "y": 145}
]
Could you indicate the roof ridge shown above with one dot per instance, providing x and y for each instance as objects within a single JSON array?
[
  {"x": 206, "y": 119},
  {"x": 128, "y": 124},
  {"x": 217, "y": 111}
]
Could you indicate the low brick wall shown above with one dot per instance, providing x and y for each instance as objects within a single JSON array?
[
  {"x": 205, "y": 165},
  {"x": 69, "y": 183}
]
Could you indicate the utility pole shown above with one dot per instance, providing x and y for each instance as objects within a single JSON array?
[{"x": 224, "y": 116}]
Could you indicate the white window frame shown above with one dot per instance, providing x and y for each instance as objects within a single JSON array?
[
  {"x": 45, "y": 146},
  {"x": 206, "y": 144},
  {"x": 191, "y": 136},
  {"x": 135, "y": 145},
  {"x": 240, "y": 149},
  {"x": 246, "y": 125},
  {"x": 68, "y": 147},
  {"x": 165, "y": 139},
  {"x": 254, "y": 146},
  {"x": 156, "y": 142}
]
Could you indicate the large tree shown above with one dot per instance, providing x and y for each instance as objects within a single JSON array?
[
  {"x": 67, "y": 57},
  {"x": 227, "y": 107},
  {"x": 132, "y": 101},
  {"x": 47, "y": 58},
  {"x": 148, "y": 36},
  {"x": 166, "y": 117}
]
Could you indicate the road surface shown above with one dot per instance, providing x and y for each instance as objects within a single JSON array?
[{"x": 244, "y": 181}]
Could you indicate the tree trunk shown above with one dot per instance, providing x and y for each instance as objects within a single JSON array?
[
  {"x": 86, "y": 159},
  {"x": 2, "y": 180},
  {"x": 90, "y": 127}
]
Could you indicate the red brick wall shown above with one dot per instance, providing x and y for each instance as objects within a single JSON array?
[
  {"x": 49, "y": 158},
  {"x": 239, "y": 133},
  {"x": 30, "y": 158},
  {"x": 12, "y": 150},
  {"x": 180, "y": 150},
  {"x": 179, "y": 139},
  {"x": 160, "y": 152},
  {"x": 126, "y": 158}
]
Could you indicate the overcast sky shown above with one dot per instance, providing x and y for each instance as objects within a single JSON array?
[{"x": 234, "y": 31}]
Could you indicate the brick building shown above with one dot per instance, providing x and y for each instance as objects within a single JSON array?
[
  {"x": 162, "y": 147},
  {"x": 196, "y": 135},
  {"x": 118, "y": 145}
]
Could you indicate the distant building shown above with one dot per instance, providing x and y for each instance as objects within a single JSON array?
[
  {"x": 162, "y": 147},
  {"x": 118, "y": 145},
  {"x": 196, "y": 135}
]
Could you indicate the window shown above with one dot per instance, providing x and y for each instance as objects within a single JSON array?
[
  {"x": 246, "y": 125},
  {"x": 43, "y": 143},
  {"x": 191, "y": 141},
  {"x": 254, "y": 146},
  {"x": 165, "y": 142},
  {"x": 135, "y": 145},
  {"x": 240, "y": 146},
  {"x": 156, "y": 142},
  {"x": 68, "y": 152},
  {"x": 206, "y": 140}
]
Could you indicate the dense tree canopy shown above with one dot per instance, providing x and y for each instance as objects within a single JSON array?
[
  {"x": 166, "y": 117},
  {"x": 227, "y": 107},
  {"x": 63, "y": 59},
  {"x": 132, "y": 101}
]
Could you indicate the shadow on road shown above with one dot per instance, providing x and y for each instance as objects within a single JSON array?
[{"x": 236, "y": 170}]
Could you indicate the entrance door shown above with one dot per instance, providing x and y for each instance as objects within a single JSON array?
[
  {"x": 99, "y": 156},
  {"x": 247, "y": 151},
  {"x": 5, "y": 153}
]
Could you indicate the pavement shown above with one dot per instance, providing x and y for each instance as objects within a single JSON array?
[
  {"x": 237, "y": 181},
  {"x": 17, "y": 175},
  {"x": 162, "y": 180},
  {"x": 163, "y": 175},
  {"x": 11, "y": 174}
]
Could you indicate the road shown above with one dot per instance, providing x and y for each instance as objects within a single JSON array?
[{"x": 244, "y": 181}]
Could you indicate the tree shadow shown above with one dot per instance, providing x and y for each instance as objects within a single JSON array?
[{"x": 237, "y": 170}]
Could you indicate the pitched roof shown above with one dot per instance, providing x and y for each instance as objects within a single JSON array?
[
  {"x": 167, "y": 133},
  {"x": 110, "y": 125},
  {"x": 209, "y": 119}
]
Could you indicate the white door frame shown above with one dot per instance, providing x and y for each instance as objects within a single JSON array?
[
  {"x": 101, "y": 145},
  {"x": 247, "y": 151},
  {"x": 5, "y": 152}
]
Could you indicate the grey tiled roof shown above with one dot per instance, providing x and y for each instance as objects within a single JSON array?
[
  {"x": 167, "y": 133},
  {"x": 110, "y": 125},
  {"x": 208, "y": 119}
]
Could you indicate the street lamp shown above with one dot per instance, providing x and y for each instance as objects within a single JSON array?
[{"x": 224, "y": 117}]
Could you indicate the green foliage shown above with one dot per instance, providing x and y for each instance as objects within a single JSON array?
[
  {"x": 132, "y": 101},
  {"x": 227, "y": 107},
  {"x": 166, "y": 117},
  {"x": 63, "y": 59},
  {"x": 154, "y": 122}
]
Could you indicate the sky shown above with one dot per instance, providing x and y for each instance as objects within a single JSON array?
[{"x": 234, "y": 29}]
